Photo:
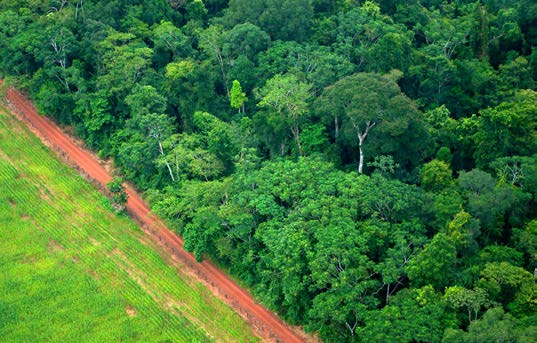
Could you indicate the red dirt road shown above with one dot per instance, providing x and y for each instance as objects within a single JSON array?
[{"x": 265, "y": 324}]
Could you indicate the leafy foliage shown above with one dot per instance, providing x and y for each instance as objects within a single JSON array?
[
  {"x": 354, "y": 162},
  {"x": 119, "y": 196}
]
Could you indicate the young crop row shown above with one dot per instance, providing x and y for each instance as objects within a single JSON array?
[
  {"x": 80, "y": 245},
  {"x": 77, "y": 241}
]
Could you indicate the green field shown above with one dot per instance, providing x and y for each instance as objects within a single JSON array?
[{"x": 73, "y": 271}]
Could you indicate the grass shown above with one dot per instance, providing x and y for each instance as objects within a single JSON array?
[{"x": 73, "y": 271}]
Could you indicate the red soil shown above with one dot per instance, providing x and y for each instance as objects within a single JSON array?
[{"x": 265, "y": 323}]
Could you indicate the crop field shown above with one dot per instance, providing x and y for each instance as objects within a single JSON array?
[{"x": 73, "y": 271}]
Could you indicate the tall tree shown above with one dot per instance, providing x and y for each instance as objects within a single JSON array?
[
  {"x": 434, "y": 265},
  {"x": 285, "y": 20},
  {"x": 289, "y": 98},
  {"x": 211, "y": 40},
  {"x": 169, "y": 39},
  {"x": 237, "y": 96},
  {"x": 507, "y": 129},
  {"x": 365, "y": 102},
  {"x": 123, "y": 61}
]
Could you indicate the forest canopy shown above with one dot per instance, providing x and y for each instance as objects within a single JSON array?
[{"x": 367, "y": 168}]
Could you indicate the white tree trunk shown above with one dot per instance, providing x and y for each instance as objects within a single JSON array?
[
  {"x": 167, "y": 164},
  {"x": 361, "y": 138},
  {"x": 361, "y": 163}
]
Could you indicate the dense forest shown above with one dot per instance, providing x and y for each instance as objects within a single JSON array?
[{"x": 367, "y": 168}]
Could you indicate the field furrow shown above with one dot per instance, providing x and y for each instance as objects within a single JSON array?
[{"x": 72, "y": 271}]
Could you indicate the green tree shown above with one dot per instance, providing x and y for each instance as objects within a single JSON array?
[
  {"x": 139, "y": 144},
  {"x": 158, "y": 128},
  {"x": 525, "y": 240},
  {"x": 441, "y": 127},
  {"x": 507, "y": 129},
  {"x": 495, "y": 326},
  {"x": 444, "y": 154},
  {"x": 118, "y": 194},
  {"x": 186, "y": 156},
  {"x": 371, "y": 105},
  {"x": 18, "y": 38},
  {"x": 241, "y": 11},
  {"x": 446, "y": 34},
  {"x": 283, "y": 265},
  {"x": 436, "y": 176},
  {"x": 518, "y": 171},
  {"x": 237, "y": 96},
  {"x": 434, "y": 265},
  {"x": 317, "y": 64},
  {"x": 288, "y": 98},
  {"x": 390, "y": 200},
  {"x": 502, "y": 281},
  {"x": 344, "y": 274},
  {"x": 169, "y": 40},
  {"x": 413, "y": 315},
  {"x": 463, "y": 230},
  {"x": 244, "y": 40},
  {"x": 123, "y": 60},
  {"x": 500, "y": 253},
  {"x": 371, "y": 40},
  {"x": 144, "y": 100},
  {"x": 285, "y": 20},
  {"x": 95, "y": 113},
  {"x": 217, "y": 137},
  {"x": 200, "y": 223},
  {"x": 471, "y": 300},
  {"x": 496, "y": 206},
  {"x": 435, "y": 75},
  {"x": 392, "y": 251},
  {"x": 210, "y": 41},
  {"x": 190, "y": 87},
  {"x": 384, "y": 165},
  {"x": 62, "y": 46},
  {"x": 444, "y": 206}
]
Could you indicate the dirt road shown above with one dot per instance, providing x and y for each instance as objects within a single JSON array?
[{"x": 265, "y": 324}]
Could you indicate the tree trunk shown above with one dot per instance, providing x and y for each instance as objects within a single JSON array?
[
  {"x": 361, "y": 138},
  {"x": 222, "y": 69},
  {"x": 361, "y": 163},
  {"x": 336, "y": 127},
  {"x": 296, "y": 133},
  {"x": 79, "y": 6},
  {"x": 167, "y": 164}
]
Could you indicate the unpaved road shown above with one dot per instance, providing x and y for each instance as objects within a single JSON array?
[{"x": 265, "y": 324}]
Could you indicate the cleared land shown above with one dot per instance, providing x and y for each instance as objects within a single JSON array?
[{"x": 71, "y": 270}]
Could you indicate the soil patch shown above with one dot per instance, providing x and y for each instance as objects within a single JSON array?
[
  {"x": 54, "y": 246},
  {"x": 131, "y": 311}
]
